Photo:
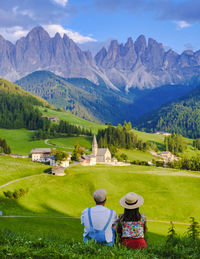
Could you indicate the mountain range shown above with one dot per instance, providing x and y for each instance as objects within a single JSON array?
[{"x": 120, "y": 67}]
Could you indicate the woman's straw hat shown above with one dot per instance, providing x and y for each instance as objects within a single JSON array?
[{"x": 131, "y": 201}]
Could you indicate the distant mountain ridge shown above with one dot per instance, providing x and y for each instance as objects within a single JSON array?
[
  {"x": 97, "y": 102},
  {"x": 181, "y": 116},
  {"x": 121, "y": 67},
  {"x": 82, "y": 97}
]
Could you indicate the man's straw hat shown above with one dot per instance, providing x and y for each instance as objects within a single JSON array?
[{"x": 131, "y": 201}]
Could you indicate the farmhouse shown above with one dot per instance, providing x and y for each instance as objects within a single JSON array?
[
  {"x": 55, "y": 119},
  {"x": 40, "y": 154},
  {"x": 87, "y": 160},
  {"x": 163, "y": 133},
  {"x": 167, "y": 156},
  {"x": 64, "y": 163}
]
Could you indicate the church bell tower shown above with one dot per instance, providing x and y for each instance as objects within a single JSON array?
[{"x": 94, "y": 146}]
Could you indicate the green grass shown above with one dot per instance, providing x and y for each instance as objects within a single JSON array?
[
  {"x": 72, "y": 229},
  {"x": 15, "y": 168},
  {"x": 169, "y": 195},
  {"x": 69, "y": 143},
  {"x": 20, "y": 140},
  {"x": 157, "y": 139},
  {"x": 67, "y": 116},
  {"x": 137, "y": 155}
]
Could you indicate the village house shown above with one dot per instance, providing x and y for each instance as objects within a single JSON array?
[
  {"x": 54, "y": 119},
  {"x": 40, "y": 154},
  {"x": 58, "y": 171},
  {"x": 167, "y": 156},
  {"x": 163, "y": 133},
  {"x": 87, "y": 160},
  {"x": 64, "y": 163}
]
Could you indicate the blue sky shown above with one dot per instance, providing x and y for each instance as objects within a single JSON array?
[{"x": 175, "y": 23}]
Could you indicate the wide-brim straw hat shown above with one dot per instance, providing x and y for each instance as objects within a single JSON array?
[{"x": 131, "y": 201}]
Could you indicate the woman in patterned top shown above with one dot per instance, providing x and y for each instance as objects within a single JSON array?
[{"x": 132, "y": 224}]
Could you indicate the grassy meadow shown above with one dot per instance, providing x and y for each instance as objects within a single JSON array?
[
  {"x": 73, "y": 119},
  {"x": 170, "y": 195}
]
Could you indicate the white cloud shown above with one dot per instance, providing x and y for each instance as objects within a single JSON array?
[
  {"x": 24, "y": 12},
  {"x": 75, "y": 36},
  {"x": 61, "y": 2},
  {"x": 182, "y": 24},
  {"x": 13, "y": 33}
]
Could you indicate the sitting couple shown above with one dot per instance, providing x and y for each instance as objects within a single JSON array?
[{"x": 100, "y": 223}]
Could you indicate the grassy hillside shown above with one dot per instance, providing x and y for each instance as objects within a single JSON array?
[
  {"x": 73, "y": 119},
  {"x": 84, "y": 98},
  {"x": 53, "y": 197},
  {"x": 8, "y": 88},
  {"x": 20, "y": 141},
  {"x": 15, "y": 168}
]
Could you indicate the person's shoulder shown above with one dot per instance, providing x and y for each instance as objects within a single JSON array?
[
  {"x": 84, "y": 211},
  {"x": 143, "y": 216}
]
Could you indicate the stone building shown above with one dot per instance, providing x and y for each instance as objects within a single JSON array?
[
  {"x": 102, "y": 155},
  {"x": 40, "y": 154},
  {"x": 58, "y": 171}
]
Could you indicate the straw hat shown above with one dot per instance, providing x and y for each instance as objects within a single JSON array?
[{"x": 131, "y": 201}]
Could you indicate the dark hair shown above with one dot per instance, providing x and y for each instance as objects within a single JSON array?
[
  {"x": 101, "y": 202},
  {"x": 131, "y": 215}
]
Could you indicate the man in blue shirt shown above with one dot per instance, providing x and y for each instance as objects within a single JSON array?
[{"x": 99, "y": 221}]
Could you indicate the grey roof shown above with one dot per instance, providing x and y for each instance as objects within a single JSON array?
[
  {"x": 101, "y": 151},
  {"x": 40, "y": 150}
]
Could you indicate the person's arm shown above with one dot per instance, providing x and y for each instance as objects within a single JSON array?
[
  {"x": 119, "y": 226},
  {"x": 82, "y": 217},
  {"x": 114, "y": 220},
  {"x": 145, "y": 227}
]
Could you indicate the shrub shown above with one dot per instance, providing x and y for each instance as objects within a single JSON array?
[{"x": 16, "y": 194}]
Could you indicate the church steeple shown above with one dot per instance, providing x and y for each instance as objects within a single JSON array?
[{"x": 94, "y": 146}]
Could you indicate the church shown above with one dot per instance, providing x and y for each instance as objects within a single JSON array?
[{"x": 102, "y": 155}]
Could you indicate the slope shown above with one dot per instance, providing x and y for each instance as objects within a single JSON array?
[
  {"x": 82, "y": 97},
  {"x": 17, "y": 108},
  {"x": 181, "y": 116}
]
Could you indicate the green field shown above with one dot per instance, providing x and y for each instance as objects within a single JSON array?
[
  {"x": 73, "y": 119},
  {"x": 137, "y": 155},
  {"x": 69, "y": 143},
  {"x": 170, "y": 195},
  {"x": 20, "y": 141}
]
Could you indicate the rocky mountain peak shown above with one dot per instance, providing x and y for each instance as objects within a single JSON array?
[
  {"x": 100, "y": 56},
  {"x": 38, "y": 33},
  {"x": 129, "y": 43},
  {"x": 140, "y": 45}
]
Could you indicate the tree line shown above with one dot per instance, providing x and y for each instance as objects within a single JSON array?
[
  {"x": 192, "y": 163},
  {"x": 120, "y": 137},
  {"x": 63, "y": 128},
  {"x": 19, "y": 112},
  {"x": 174, "y": 143}
]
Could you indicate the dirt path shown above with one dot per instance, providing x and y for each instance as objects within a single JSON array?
[
  {"x": 54, "y": 145},
  {"x": 62, "y": 217},
  {"x": 17, "y": 180}
]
